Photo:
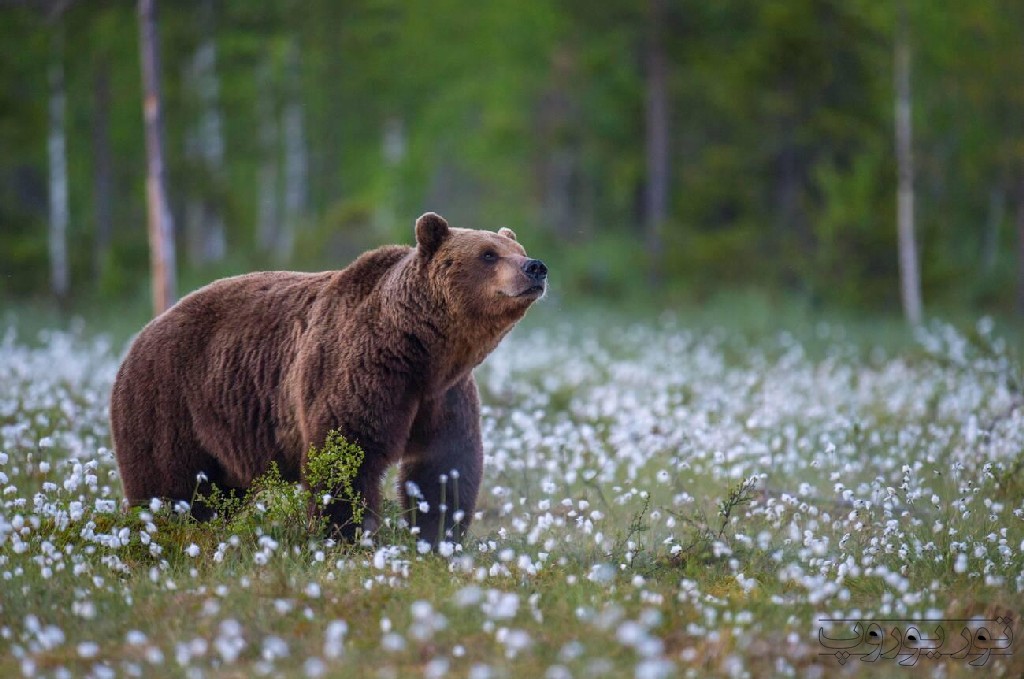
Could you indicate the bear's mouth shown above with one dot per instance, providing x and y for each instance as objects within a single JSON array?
[{"x": 532, "y": 291}]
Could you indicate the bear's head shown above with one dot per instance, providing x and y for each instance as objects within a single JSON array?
[{"x": 479, "y": 275}]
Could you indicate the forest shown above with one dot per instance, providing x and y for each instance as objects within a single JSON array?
[{"x": 670, "y": 148}]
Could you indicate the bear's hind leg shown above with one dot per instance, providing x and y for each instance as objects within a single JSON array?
[
  {"x": 158, "y": 453},
  {"x": 173, "y": 470}
]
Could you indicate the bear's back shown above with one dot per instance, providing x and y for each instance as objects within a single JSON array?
[
  {"x": 356, "y": 281},
  {"x": 265, "y": 303}
]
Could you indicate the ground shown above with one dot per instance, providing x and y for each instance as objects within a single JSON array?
[{"x": 658, "y": 501}]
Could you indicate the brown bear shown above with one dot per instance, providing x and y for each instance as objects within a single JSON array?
[{"x": 257, "y": 368}]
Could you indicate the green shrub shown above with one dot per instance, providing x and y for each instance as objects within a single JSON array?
[
  {"x": 330, "y": 471},
  {"x": 295, "y": 510}
]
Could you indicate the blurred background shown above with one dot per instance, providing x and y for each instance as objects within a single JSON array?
[{"x": 666, "y": 150}]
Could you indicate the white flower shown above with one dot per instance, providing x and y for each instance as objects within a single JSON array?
[
  {"x": 468, "y": 596},
  {"x": 192, "y": 550},
  {"x": 274, "y": 647},
  {"x": 334, "y": 639},
  {"x": 135, "y": 638},
  {"x": 392, "y": 642},
  {"x": 314, "y": 667},
  {"x": 436, "y": 668},
  {"x": 88, "y": 649}
]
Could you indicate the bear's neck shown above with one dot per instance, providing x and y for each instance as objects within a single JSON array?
[
  {"x": 463, "y": 351},
  {"x": 440, "y": 351},
  {"x": 432, "y": 347}
]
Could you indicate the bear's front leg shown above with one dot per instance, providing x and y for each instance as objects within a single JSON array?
[
  {"x": 340, "y": 511},
  {"x": 376, "y": 436},
  {"x": 443, "y": 464}
]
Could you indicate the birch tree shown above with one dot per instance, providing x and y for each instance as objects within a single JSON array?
[
  {"x": 103, "y": 168},
  {"x": 657, "y": 135},
  {"x": 1020, "y": 246},
  {"x": 268, "y": 224},
  {"x": 161, "y": 225},
  {"x": 296, "y": 156},
  {"x": 204, "y": 223},
  {"x": 910, "y": 275},
  {"x": 58, "y": 170}
]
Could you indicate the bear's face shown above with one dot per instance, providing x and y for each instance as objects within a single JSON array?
[{"x": 479, "y": 274}]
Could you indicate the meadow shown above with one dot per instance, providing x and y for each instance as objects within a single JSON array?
[{"x": 659, "y": 500}]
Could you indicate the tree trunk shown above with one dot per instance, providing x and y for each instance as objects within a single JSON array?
[
  {"x": 58, "y": 167},
  {"x": 657, "y": 137},
  {"x": 1020, "y": 246},
  {"x": 161, "y": 225},
  {"x": 990, "y": 245},
  {"x": 103, "y": 169},
  {"x": 557, "y": 174},
  {"x": 910, "y": 276},
  {"x": 205, "y": 231},
  {"x": 560, "y": 175},
  {"x": 296, "y": 158},
  {"x": 268, "y": 224},
  {"x": 393, "y": 145}
]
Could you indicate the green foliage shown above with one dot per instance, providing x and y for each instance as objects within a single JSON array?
[
  {"x": 854, "y": 261},
  {"x": 330, "y": 471},
  {"x": 703, "y": 532},
  {"x": 608, "y": 266},
  {"x": 292, "y": 510},
  {"x": 780, "y": 134},
  {"x": 279, "y": 504},
  {"x": 629, "y": 546}
]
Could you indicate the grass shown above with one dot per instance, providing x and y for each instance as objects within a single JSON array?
[{"x": 671, "y": 497}]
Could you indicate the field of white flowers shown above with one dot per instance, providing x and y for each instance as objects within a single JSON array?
[{"x": 657, "y": 502}]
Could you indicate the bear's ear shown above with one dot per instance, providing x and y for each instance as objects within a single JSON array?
[
  {"x": 507, "y": 232},
  {"x": 431, "y": 231}
]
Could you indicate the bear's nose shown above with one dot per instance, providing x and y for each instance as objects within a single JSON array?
[{"x": 535, "y": 269}]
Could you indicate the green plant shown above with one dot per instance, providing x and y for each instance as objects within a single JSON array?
[
  {"x": 703, "y": 532},
  {"x": 628, "y": 547},
  {"x": 280, "y": 504},
  {"x": 283, "y": 507},
  {"x": 329, "y": 473}
]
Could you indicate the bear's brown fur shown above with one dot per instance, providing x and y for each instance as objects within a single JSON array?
[{"x": 258, "y": 368}]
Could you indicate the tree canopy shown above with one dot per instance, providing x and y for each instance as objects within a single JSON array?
[{"x": 300, "y": 133}]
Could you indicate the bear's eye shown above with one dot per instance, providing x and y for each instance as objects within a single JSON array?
[{"x": 489, "y": 256}]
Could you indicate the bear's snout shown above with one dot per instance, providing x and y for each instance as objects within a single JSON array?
[{"x": 535, "y": 269}]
